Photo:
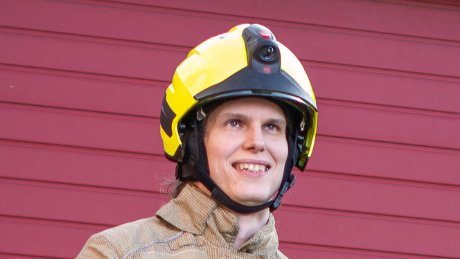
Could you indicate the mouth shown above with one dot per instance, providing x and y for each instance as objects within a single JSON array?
[{"x": 251, "y": 167}]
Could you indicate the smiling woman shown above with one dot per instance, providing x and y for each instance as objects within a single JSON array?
[
  {"x": 238, "y": 116},
  {"x": 245, "y": 140}
]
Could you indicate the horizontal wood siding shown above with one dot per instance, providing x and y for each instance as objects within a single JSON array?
[{"x": 81, "y": 84}]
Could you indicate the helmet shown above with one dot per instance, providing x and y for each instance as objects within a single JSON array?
[{"x": 246, "y": 61}]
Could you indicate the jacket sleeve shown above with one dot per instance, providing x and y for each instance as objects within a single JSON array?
[{"x": 98, "y": 246}]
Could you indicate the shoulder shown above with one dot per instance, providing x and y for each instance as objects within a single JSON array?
[{"x": 119, "y": 241}]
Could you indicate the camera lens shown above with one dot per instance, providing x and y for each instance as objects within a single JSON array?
[{"x": 267, "y": 53}]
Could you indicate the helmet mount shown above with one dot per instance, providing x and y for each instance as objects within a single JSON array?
[{"x": 263, "y": 55}]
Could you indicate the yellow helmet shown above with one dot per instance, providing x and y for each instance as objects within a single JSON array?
[{"x": 246, "y": 61}]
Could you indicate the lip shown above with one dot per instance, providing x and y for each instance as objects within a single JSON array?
[{"x": 252, "y": 173}]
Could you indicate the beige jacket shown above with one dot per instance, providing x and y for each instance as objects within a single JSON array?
[{"x": 190, "y": 226}]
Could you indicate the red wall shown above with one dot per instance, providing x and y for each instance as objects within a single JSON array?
[{"x": 81, "y": 84}]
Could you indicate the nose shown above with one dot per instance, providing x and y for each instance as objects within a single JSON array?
[{"x": 254, "y": 140}]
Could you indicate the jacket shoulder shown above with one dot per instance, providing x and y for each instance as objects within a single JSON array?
[{"x": 121, "y": 240}]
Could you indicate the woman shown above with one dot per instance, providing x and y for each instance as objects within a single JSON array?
[{"x": 238, "y": 116}]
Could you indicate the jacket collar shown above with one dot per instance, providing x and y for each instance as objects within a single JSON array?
[{"x": 192, "y": 211}]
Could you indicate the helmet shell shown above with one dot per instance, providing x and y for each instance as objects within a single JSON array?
[{"x": 238, "y": 64}]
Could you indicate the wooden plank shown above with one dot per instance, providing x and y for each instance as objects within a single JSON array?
[
  {"x": 366, "y": 195},
  {"x": 394, "y": 17},
  {"x": 103, "y": 19},
  {"x": 106, "y": 58},
  {"x": 355, "y": 231},
  {"x": 329, "y": 191},
  {"x": 43, "y": 239},
  {"x": 381, "y": 52},
  {"x": 124, "y": 59},
  {"x": 33, "y": 237},
  {"x": 327, "y": 252},
  {"x": 118, "y": 171},
  {"x": 92, "y": 130},
  {"x": 77, "y": 204},
  {"x": 381, "y": 160},
  {"x": 16, "y": 256},
  {"x": 414, "y": 19},
  {"x": 81, "y": 92},
  {"x": 389, "y": 125},
  {"x": 333, "y": 155},
  {"x": 379, "y": 87},
  {"x": 142, "y": 135},
  {"x": 113, "y": 95},
  {"x": 368, "y": 233},
  {"x": 85, "y": 167}
]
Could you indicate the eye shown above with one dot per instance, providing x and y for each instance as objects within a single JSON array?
[
  {"x": 272, "y": 127},
  {"x": 233, "y": 123}
]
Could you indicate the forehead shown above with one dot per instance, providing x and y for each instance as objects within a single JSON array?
[{"x": 249, "y": 107}]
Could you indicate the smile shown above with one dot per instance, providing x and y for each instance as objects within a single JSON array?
[{"x": 251, "y": 167}]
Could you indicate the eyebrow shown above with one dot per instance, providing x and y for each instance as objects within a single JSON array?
[{"x": 275, "y": 120}]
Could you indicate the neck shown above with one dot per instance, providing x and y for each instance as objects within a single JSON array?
[{"x": 248, "y": 225}]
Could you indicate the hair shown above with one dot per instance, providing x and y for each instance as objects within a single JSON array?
[{"x": 175, "y": 187}]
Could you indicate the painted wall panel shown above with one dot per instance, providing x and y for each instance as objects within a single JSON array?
[
  {"x": 393, "y": 17},
  {"x": 368, "y": 233},
  {"x": 88, "y": 57},
  {"x": 320, "y": 190},
  {"x": 72, "y": 128},
  {"x": 47, "y": 239},
  {"x": 115, "y": 94},
  {"x": 81, "y": 91},
  {"x": 58, "y": 201},
  {"x": 111, "y": 207},
  {"x": 388, "y": 125},
  {"x": 81, "y": 84},
  {"x": 329, "y": 47},
  {"x": 383, "y": 160},
  {"x": 147, "y": 172},
  {"x": 142, "y": 134},
  {"x": 86, "y": 167},
  {"x": 386, "y": 88},
  {"x": 77, "y": 204}
]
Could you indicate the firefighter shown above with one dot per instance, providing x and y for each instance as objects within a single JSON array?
[{"x": 239, "y": 114}]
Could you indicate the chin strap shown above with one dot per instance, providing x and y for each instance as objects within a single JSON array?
[{"x": 194, "y": 167}]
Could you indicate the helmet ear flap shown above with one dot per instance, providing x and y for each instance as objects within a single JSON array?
[{"x": 190, "y": 150}]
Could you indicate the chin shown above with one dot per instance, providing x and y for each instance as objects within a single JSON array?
[{"x": 253, "y": 199}]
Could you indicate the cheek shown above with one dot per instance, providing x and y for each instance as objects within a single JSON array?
[
  {"x": 280, "y": 151},
  {"x": 216, "y": 151}
]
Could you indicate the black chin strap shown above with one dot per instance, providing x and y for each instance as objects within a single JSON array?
[{"x": 194, "y": 167}]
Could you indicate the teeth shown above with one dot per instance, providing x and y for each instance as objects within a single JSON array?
[{"x": 251, "y": 167}]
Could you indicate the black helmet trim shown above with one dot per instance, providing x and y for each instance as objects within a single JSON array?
[
  {"x": 167, "y": 115},
  {"x": 257, "y": 83}
]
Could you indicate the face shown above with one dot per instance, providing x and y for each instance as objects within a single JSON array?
[{"x": 246, "y": 145}]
